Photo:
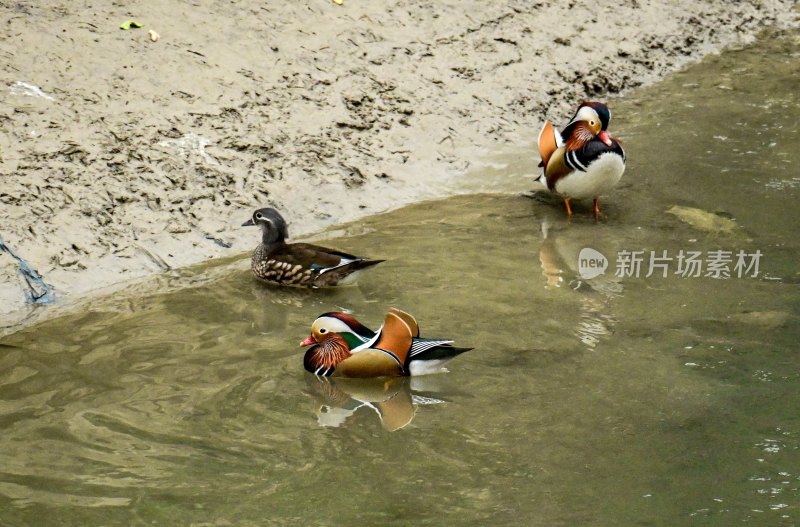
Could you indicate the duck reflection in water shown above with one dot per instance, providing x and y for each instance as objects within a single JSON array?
[
  {"x": 338, "y": 399},
  {"x": 559, "y": 256}
]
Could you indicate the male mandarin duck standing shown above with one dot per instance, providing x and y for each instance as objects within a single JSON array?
[
  {"x": 299, "y": 264},
  {"x": 583, "y": 161},
  {"x": 343, "y": 347}
]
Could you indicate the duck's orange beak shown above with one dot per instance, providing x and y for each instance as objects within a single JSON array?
[
  {"x": 604, "y": 137},
  {"x": 308, "y": 341}
]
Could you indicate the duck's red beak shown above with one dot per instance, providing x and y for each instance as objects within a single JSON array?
[
  {"x": 308, "y": 341},
  {"x": 604, "y": 137}
]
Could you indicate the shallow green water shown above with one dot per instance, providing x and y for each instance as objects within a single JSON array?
[{"x": 608, "y": 401}]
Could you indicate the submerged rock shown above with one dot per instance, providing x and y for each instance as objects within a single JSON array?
[
  {"x": 762, "y": 319},
  {"x": 703, "y": 220}
]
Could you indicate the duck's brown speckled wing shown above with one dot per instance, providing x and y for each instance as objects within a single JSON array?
[
  {"x": 309, "y": 256},
  {"x": 304, "y": 264}
]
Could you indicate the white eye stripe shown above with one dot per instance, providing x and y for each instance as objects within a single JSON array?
[
  {"x": 331, "y": 324},
  {"x": 587, "y": 113}
]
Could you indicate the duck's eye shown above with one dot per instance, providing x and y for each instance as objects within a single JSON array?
[
  {"x": 591, "y": 123},
  {"x": 323, "y": 330},
  {"x": 259, "y": 216}
]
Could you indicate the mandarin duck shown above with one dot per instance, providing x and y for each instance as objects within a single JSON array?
[
  {"x": 299, "y": 264},
  {"x": 343, "y": 347},
  {"x": 583, "y": 161}
]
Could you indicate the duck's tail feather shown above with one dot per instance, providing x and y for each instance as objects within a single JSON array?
[
  {"x": 433, "y": 360},
  {"x": 347, "y": 272},
  {"x": 434, "y": 349}
]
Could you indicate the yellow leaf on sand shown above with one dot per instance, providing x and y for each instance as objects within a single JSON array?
[{"x": 338, "y": 2}]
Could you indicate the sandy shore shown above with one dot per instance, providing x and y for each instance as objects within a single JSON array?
[{"x": 121, "y": 156}]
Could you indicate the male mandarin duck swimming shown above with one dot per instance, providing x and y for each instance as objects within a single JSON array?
[
  {"x": 299, "y": 264},
  {"x": 343, "y": 347},
  {"x": 583, "y": 161}
]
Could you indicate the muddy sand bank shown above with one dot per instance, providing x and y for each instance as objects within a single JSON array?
[{"x": 122, "y": 157}]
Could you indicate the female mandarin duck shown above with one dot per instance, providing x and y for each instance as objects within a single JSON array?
[
  {"x": 299, "y": 264},
  {"x": 583, "y": 161},
  {"x": 343, "y": 347}
]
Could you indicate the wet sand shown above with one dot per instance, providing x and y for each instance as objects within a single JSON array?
[{"x": 122, "y": 157}]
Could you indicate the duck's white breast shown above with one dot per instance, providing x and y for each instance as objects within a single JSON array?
[{"x": 598, "y": 179}]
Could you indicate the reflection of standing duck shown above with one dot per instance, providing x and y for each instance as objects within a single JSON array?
[
  {"x": 299, "y": 264},
  {"x": 583, "y": 161},
  {"x": 559, "y": 256}
]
